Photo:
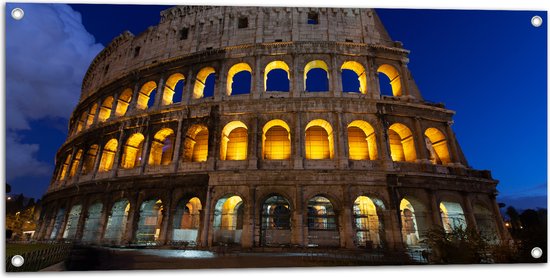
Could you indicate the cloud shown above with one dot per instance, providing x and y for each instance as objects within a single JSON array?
[{"x": 47, "y": 54}]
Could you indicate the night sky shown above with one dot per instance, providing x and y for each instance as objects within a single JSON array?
[{"x": 488, "y": 66}]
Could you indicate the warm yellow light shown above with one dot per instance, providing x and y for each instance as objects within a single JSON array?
[
  {"x": 409, "y": 227},
  {"x": 361, "y": 141},
  {"x": 82, "y": 121},
  {"x": 230, "y": 213},
  {"x": 393, "y": 75},
  {"x": 316, "y": 64},
  {"x": 196, "y": 144},
  {"x": 144, "y": 94},
  {"x": 91, "y": 115},
  {"x": 361, "y": 74},
  {"x": 65, "y": 167},
  {"x": 131, "y": 157},
  {"x": 170, "y": 87},
  {"x": 275, "y": 65},
  {"x": 123, "y": 102},
  {"x": 276, "y": 140},
  {"x": 401, "y": 143},
  {"x": 108, "y": 156},
  {"x": 366, "y": 218},
  {"x": 234, "y": 142},
  {"x": 162, "y": 147},
  {"x": 105, "y": 109},
  {"x": 75, "y": 163},
  {"x": 319, "y": 140},
  {"x": 437, "y": 146},
  {"x": 233, "y": 71},
  {"x": 200, "y": 81}
]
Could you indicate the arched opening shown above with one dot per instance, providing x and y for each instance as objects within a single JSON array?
[
  {"x": 409, "y": 226},
  {"x": 322, "y": 223},
  {"x": 391, "y": 79},
  {"x": 204, "y": 83},
  {"x": 108, "y": 156},
  {"x": 162, "y": 147},
  {"x": 116, "y": 223},
  {"x": 228, "y": 220},
  {"x": 234, "y": 142},
  {"x": 173, "y": 90},
  {"x": 354, "y": 77},
  {"x": 105, "y": 109},
  {"x": 452, "y": 216},
  {"x": 316, "y": 76},
  {"x": 75, "y": 163},
  {"x": 89, "y": 159},
  {"x": 486, "y": 223},
  {"x": 401, "y": 143},
  {"x": 319, "y": 140},
  {"x": 146, "y": 96},
  {"x": 187, "y": 220},
  {"x": 58, "y": 221},
  {"x": 123, "y": 102},
  {"x": 72, "y": 222},
  {"x": 150, "y": 220},
  {"x": 91, "y": 115},
  {"x": 436, "y": 143},
  {"x": 361, "y": 141},
  {"x": 91, "y": 229},
  {"x": 367, "y": 224},
  {"x": 133, "y": 149},
  {"x": 82, "y": 122},
  {"x": 277, "y": 77},
  {"x": 276, "y": 222},
  {"x": 276, "y": 140},
  {"x": 196, "y": 144},
  {"x": 239, "y": 79},
  {"x": 65, "y": 166}
]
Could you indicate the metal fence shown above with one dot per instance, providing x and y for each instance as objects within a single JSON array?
[{"x": 39, "y": 259}]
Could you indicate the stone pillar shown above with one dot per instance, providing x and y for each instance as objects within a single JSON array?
[
  {"x": 347, "y": 234},
  {"x": 81, "y": 164},
  {"x": 298, "y": 141},
  {"x": 82, "y": 219},
  {"x": 434, "y": 208},
  {"x": 132, "y": 106},
  {"x": 469, "y": 212},
  {"x": 382, "y": 142},
  {"x": 64, "y": 223},
  {"x": 502, "y": 231},
  {"x": 177, "y": 145},
  {"x": 98, "y": 159},
  {"x": 392, "y": 228},
  {"x": 167, "y": 218},
  {"x": 342, "y": 141},
  {"x": 133, "y": 218},
  {"x": 188, "y": 89},
  {"x": 297, "y": 78},
  {"x": 114, "y": 106},
  {"x": 257, "y": 86},
  {"x": 106, "y": 211},
  {"x": 159, "y": 95},
  {"x": 451, "y": 142},
  {"x": 220, "y": 89},
  {"x": 205, "y": 239},
  {"x": 252, "y": 152},
  {"x": 96, "y": 115},
  {"x": 404, "y": 75},
  {"x": 148, "y": 142},
  {"x": 422, "y": 154},
  {"x": 298, "y": 219},
  {"x": 247, "y": 239},
  {"x": 373, "y": 83},
  {"x": 335, "y": 77}
]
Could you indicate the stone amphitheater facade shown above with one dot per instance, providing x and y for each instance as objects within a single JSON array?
[{"x": 161, "y": 151}]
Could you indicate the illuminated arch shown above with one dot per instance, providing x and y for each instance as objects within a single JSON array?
[
  {"x": 367, "y": 224},
  {"x": 321, "y": 214},
  {"x": 359, "y": 70},
  {"x": 436, "y": 142},
  {"x": 275, "y": 65},
  {"x": 75, "y": 163},
  {"x": 196, "y": 144},
  {"x": 89, "y": 159},
  {"x": 105, "y": 109},
  {"x": 401, "y": 143},
  {"x": 123, "y": 102},
  {"x": 276, "y": 140},
  {"x": 200, "y": 81},
  {"x": 186, "y": 221},
  {"x": 319, "y": 140},
  {"x": 393, "y": 76},
  {"x": 452, "y": 216},
  {"x": 316, "y": 64},
  {"x": 234, "y": 141},
  {"x": 276, "y": 221},
  {"x": 235, "y": 69},
  {"x": 170, "y": 88},
  {"x": 145, "y": 93},
  {"x": 150, "y": 220},
  {"x": 82, "y": 121},
  {"x": 91, "y": 115},
  {"x": 361, "y": 141},
  {"x": 228, "y": 219},
  {"x": 72, "y": 222},
  {"x": 65, "y": 167},
  {"x": 133, "y": 149},
  {"x": 162, "y": 147},
  {"x": 108, "y": 156},
  {"x": 116, "y": 223},
  {"x": 409, "y": 225},
  {"x": 92, "y": 223}
]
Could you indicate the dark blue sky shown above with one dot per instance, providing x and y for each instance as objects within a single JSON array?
[{"x": 488, "y": 66}]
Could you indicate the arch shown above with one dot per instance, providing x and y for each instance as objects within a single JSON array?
[
  {"x": 234, "y": 141},
  {"x": 196, "y": 144},
  {"x": 486, "y": 223},
  {"x": 234, "y": 77},
  {"x": 72, "y": 222},
  {"x": 452, "y": 216},
  {"x": 187, "y": 220},
  {"x": 65, "y": 166},
  {"x": 361, "y": 141},
  {"x": 322, "y": 222},
  {"x": 108, "y": 156},
  {"x": 276, "y": 222},
  {"x": 58, "y": 221},
  {"x": 318, "y": 82},
  {"x": 409, "y": 225},
  {"x": 200, "y": 82},
  {"x": 319, "y": 140},
  {"x": 146, "y": 92},
  {"x": 105, "y": 109},
  {"x": 82, "y": 121},
  {"x": 133, "y": 149},
  {"x": 162, "y": 147},
  {"x": 92, "y": 226},
  {"x": 173, "y": 89},
  {"x": 367, "y": 224},
  {"x": 359, "y": 73},
  {"x": 150, "y": 220},
  {"x": 436, "y": 143},
  {"x": 116, "y": 223},
  {"x": 275, "y": 68},
  {"x": 123, "y": 102},
  {"x": 228, "y": 219},
  {"x": 393, "y": 76},
  {"x": 91, "y": 115},
  {"x": 401, "y": 143},
  {"x": 75, "y": 163},
  {"x": 276, "y": 140},
  {"x": 89, "y": 159}
]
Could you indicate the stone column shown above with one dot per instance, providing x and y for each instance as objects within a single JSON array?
[
  {"x": 382, "y": 142},
  {"x": 177, "y": 145},
  {"x": 342, "y": 141},
  {"x": 148, "y": 142},
  {"x": 106, "y": 211},
  {"x": 82, "y": 219},
  {"x": 114, "y": 106},
  {"x": 61, "y": 231},
  {"x": 297, "y": 78},
  {"x": 335, "y": 77},
  {"x": 373, "y": 82},
  {"x": 132, "y": 106},
  {"x": 159, "y": 95},
  {"x": 96, "y": 115},
  {"x": 257, "y": 88},
  {"x": 188, "y": 89},
  {"x": 167, "y": 218},
  {"x": 347, "y": 235},
  {"x": 220, "y": 89},
  {"x": 422, "y": 154},
  {"x": 298, "y": 141},
  {"x": 133, "y": 218},
  {"x": 81, "y": 164},
  {"x": 298, "y": 219},
  {"x": 469, "y": 212},
  {"x": 404, "y": 75},
  {"x": 98, "y": 160},
  {"x": 434, "y": 207},
  {"x": 247, "y": 239},
  {"x": 205, "y": 239},
  {"x": 451, "y": 142},
  {"x": 252, "y": 155}
]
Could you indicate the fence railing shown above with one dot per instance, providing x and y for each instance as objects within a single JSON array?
[{"x": 39, "y": 259}]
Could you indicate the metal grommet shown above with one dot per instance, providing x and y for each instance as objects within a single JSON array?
[
  {"x": 536, "y": 252},
  {"x": 536, "y": 21},
  {"x": 17, "y": 13},
  {"x": 17, "y": 260}
]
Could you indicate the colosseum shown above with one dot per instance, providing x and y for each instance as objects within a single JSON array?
[{"x": 261, "y": 127}]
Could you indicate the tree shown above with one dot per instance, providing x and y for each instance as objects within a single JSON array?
[{"x": 460, "y": 246}]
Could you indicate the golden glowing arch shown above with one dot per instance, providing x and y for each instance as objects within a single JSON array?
[
  {"x": 437, "y": 146},
  {"x": 145, "y": 94},
  {"x": 108, "y": 155},
  {"x": 91, "y": 115},
  {"x": 170, "y": 87},
  {"x": 319, "y": 140},
  {"x": 395, "y": 79},
  {"x": 105, "y": 109},
  {"x": 316, "y": 64},
  {"x": 123, "y": 102},
  {"x": 401, "y": 143},
  {"x": 131, "y": 156},
  {"x": 275, "y": 65},
  {"x": 161, "y": 153},
  {"x": 196, "y": 144},
  {"x": 75, "y": 163},
  {"x": 234, "y": 141},
  {"x": 232, "y": 72},
  {"x": 360, "y": 71},
  {"x": 200, "y": 81},
  {"x": 362, "y": 141},
  {"x": 276, "y": 143}
]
